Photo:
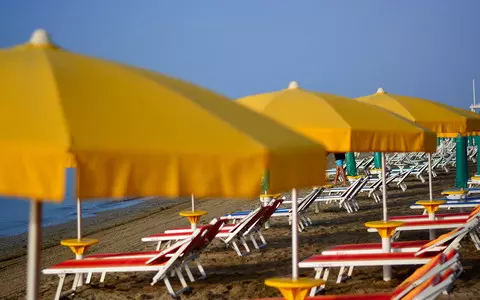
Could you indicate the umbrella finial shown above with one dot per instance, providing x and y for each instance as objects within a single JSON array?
[
  {"x": 381, "y": 91},
  {"x": 293, "y": 85},
  {"x": 40, "y": 37}
]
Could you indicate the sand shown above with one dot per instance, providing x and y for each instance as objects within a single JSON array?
[{"x": 229, "y": 276}]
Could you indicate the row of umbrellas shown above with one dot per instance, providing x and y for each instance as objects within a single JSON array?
[{"x": 134, "y": 132}]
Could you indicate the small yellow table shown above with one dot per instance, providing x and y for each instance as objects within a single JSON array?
[
  {"x": 386, "y": 231},
  {"x": 455, "y": 193},
  {"x": 193, "y": 216},
  {"x": 79, "y": 247},
  {"x": 294, "y": 289},
  {"x": 431, "y": 206}
]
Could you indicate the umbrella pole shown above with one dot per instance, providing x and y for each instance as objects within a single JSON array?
[
  {"x": 34, "y": 242},
  {"x": 384, "y": 189},
  {"x": 193, "y": 202},
  {"x": 294, "y": 235},
  {"x": 430, "y": 184},
  {"x": 79, "y": 219},
  {"x": 386, "y": 243}
]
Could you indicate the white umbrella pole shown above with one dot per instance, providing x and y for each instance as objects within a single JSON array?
[
  {"x": 431, "y": 216},
  {"x": 387, "y": 270},
  {"x": 193, "y": 202},
  {"x": 34, "y": 242},
  {"x": 294, "y": 235},
  {"x": 79, "y": 219},
  {"x": 384, "y": 189},
  {"x": 430, "y": 184}
]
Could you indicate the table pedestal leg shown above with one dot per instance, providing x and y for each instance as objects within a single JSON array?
[{"x": 386, "y": 247}]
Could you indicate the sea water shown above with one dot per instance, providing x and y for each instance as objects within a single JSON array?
[{"x": 14, "y": 212}]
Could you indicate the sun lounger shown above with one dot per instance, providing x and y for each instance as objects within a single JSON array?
[
  {"x": 303, "y": 206},
  {"x": 448, "y": 216},
  {"x": 347, "y": 199},
  {"x": 322, "y": 263},
  {"x": 247, "y": 228},
  {"x": 164, "y": 263},
  {"x": 437, "y": 244},
  {"x": 427, "y": 282}
]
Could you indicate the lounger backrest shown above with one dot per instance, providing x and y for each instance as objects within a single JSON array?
[
  {"x": 305, "y": 204},
  {"x": 270, "y": 209},
  {"x": 475, "y": 212},
  {"x": 454, "y": 236},
  {"x": 243, "y": 226},
  {"x": 436, "y": 266},
  {"x": 159, "y": 258},
  {"x": 353, "y": 188},
  {"x": 206, "y": 236},
  {"x": 433, "y": 287}
]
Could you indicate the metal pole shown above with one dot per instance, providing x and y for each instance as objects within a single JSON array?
[
  {"x": 34, "y": 242},
  {"x": 430, "y": 184},
  {"x": 193, "y": 203},
  {"x": 79, "y": 219},
  {"x": 294, "y": 235},
  {"x": 384, "y": 189},
  {"x": 474, "y": 100}
]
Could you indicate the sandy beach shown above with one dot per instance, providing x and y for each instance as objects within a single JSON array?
[{"x": 229, "y": 276}]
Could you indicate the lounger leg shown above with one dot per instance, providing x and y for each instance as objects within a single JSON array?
[
  {"x": 180, "y": 276},
  {"x": 254, "y": 241},
  {"x": 317, "y": 207},
  {"x": 200, "y": 268},
  {"x": 340, "y": 274},
  {"x": 244, "y": 242},
  {"x": 235, "y": 247},
  {"x": 89, "y": 278},
  {"x": 262, "y": 238},
  {"x": 102, "y": 277},
  {"x": 325, "y": 277},
  {"x": 159, "y": 245},
  {"x": 318, "y": 275},
  {"x": 189, "y": 273},
  {"x": 60, "y": 286},
  {"x": 75, "y": 281},
  {"x": 169, "y": 287},
  {"x": 350, "y": 271}
]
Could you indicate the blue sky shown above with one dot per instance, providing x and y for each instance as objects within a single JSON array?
[{"x": 427, "y": 48}]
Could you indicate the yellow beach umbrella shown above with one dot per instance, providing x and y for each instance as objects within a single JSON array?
[
  {"x": 445, "y": 120},
  {"x": 129, "y": 132},
  {"x": 341, "y": 124}
]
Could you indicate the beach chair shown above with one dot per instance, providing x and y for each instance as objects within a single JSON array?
[
  {"x": 400, "y": 180},
  {"x": 239, "y": 233},
  {"x": 450, "y": 204},
  {"x": 438, "y": 244},
  {"x": 196, "y": 247},
  {"x": 347, "y": 199},
  {"x": 447, "y": 216},
  {"x": 164, "y": 263},
  {"x": 302, "y": 210},
  {"x": 323, "y": 263},
  {"x": 441, "y": 224},
  {"x": 427, "y": 282}
]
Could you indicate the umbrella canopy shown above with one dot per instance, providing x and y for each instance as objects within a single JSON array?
[
  {"x": 340, "y": 123},
  {"x": 131, "y": 131},
  {"x": 445, "y": 120}
]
